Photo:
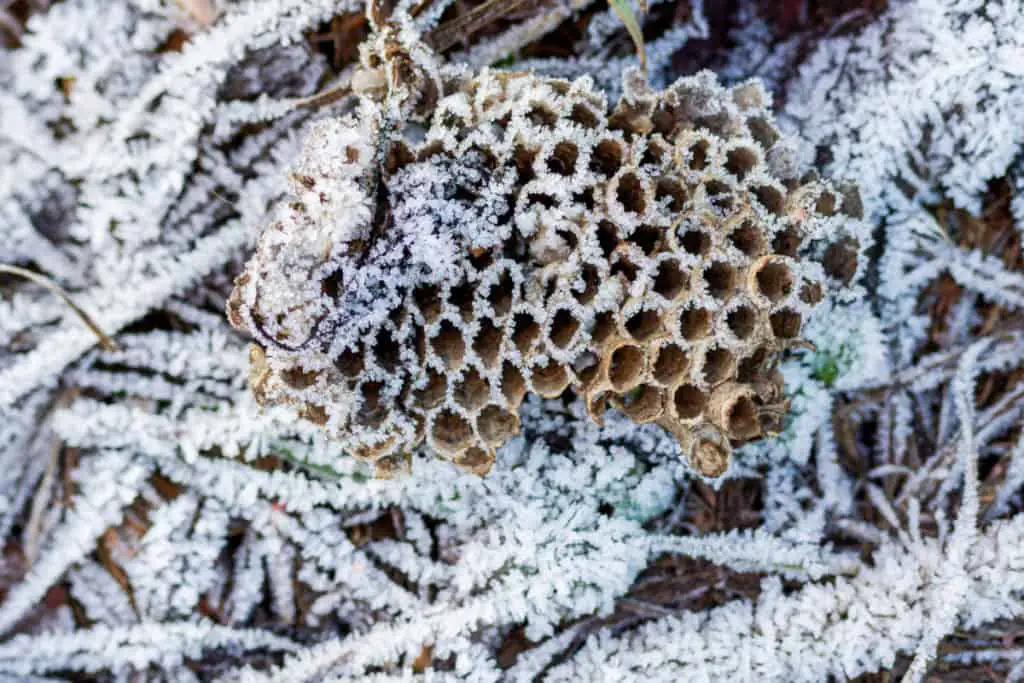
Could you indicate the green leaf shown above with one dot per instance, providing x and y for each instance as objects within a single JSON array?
[{"x": 624, "y": 10}]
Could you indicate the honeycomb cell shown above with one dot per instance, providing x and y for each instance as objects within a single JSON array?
[
  {"x": 497, "y": 425},
  {"x": 564, "y": 326},
  {"x": 472, "y": 391},
  {"x": 629, "y": 191},
  {"x": 695, "y": 323},
  {"x": 448, "y": 345},
  {"x": 670, "y": 364},
  {"x": 689, "y": 402},
  {"x": 626, "y": 368},
  {"x": 549, "y": 381},
  {"x": 643, "y": 325},
  {"x": 451, "y": 432},
  {"x": 670, "y": 280},
  {"x": 773, "y": 279}
]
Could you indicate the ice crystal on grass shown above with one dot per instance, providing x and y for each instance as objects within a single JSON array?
[{"x": 159, "y": 524}]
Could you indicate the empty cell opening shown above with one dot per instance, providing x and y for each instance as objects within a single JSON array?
[
  {"x": 786, "y": 242},
  {"x": 689, "y": 402},
  {"x": 500, "y": 295},
  {"x": 762, "y": 131},
  {"x": 719, "y": 364},
  {"x": 774, "y": 281},
  {"x": 742, "y": 321},
  {"x": 840, "y": 260},
  {"x": 648, "y": 238},
  {"x": 314, "y": 413},
  {"x": 372, "y": 412},
  {"x": 583, "y": 115},
  {"x": 432, "y": 395},
  {"x": 513, "y": 385},
  {"x": 540, "y": 199},
  {"x": 350, "y": 363},
  {"x": 586, "y": 366},
  {"x": 742, "y": 419},
  {"x": 481, "y": 259},
  {"x": 476, "y": 460},
  {"x": 525, "y": 331},
  {"x": 451, "y": 431},
  {"x": 607, "y": 158},
  {"x": 448, "y": 345},
  {"x": 644, "y": 325},
  {"x": 655, "y": 153},
  {"x": 696, "y": 242},
  {"x": 607, "y": 237},
  {"x": 720, "y": 279},
  {"x": 297, "y": 378},
  {"x": 752, "y": 366},
  {"x": 387, "y": 351},
  {"x": 694, "y": 323},
  {"x": 786, "y": 324},
  {"x": 671, "y": 193},
  {"x": 826, "y": 204},
  {"x": 604, "y": 326},
  {"x": 563, "y": 159},
  {"x": 428, "y": 301},
  {"x": 563, "y": 328},
  {"x": 699, "y": 155},
  {"x": 551, "y": 380},
  {"x": 671, "y": 364},
  {"x": 741, "y": 161},
  {"x": 496, "y": 425},
  {"x": 670, "y": 280},
  {"x": 811, "y": 293},
  {"x": 747, "y": 238},
  {"x": 523, "y": 158},
  {"x": 541, "y": 115},
  {"x": 643, "y": 404},
  {"x": 472, "y": 391},
  {"x": 461, "y": 297},
  {"x": 626, "y": 368},
  {"x": 630, "y": 193},
  {"x": 487, "y": 343},
  {"x": 625, "y": 267},
  {"x": 589, "y": 276},
  {"x": 770, "y": 198}
]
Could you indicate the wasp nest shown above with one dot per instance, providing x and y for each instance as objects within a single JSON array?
[{"x": 519, "y": 236}]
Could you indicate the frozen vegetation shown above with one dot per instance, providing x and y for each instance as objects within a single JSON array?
[{"x": 448, "y": 346}]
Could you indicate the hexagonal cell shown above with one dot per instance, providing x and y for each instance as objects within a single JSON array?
[
  {"x": 523, "y": 158},
  {"x": 840, "y": 260},
  {"x": 563, "y": 158},
  {"x": 448, "y": 345},
  {"x": 826, "y": 204},
  {"x": 670, "y": 281},
  {"x": 589, "y": 274},
  {"x": 742, "y": 321},
  {"x": 584, "y": 115},
  {"x": 771, "y": 198},
  {"x": 433, "y": 394},
  {"x": 645, "y": 403},
  {"x": 487, "y": 342},
  {"x": 607, "y": 156},
  {"x": 741, "y": 161},
  {"x": 550, "y": 380},
  {"x": 314, "y": 413},
  {"x": 643, "y": 325},
  {"x": 689, "y": 402},
  {"x": 525, "y": 331},
  {"x": 472, "y": 391},
  {"x": 629, "y": 191},
  {"x": 298, "y": 379},
  {"x": 811, "y": 293},
  {"x": 604, "y": 327},
  {"x": 719, "y": 194},
  {"x": 350, "y": 363},
  {"x": 741, "y": 419},
  {"x": 772, "y": 279},
  {"x": 671, "y": 193},
  {"x": 787, "y": 241},
  {"x": 695, "y": 242},
  {"x": 786, "y": 324},
  {"x": 648, "y": 238},
  {"x": 513, "y": 384},
  {"x": 748, "y": 239},
  {"x": 719, "y": 365},
  {"x": 387, "y": 351},
  {"x": 497, "y": 425},
  {"x": 762, "y": 131},
  {"x": 428, "y": 301},
  {"x": 476, "y": 460},
  {"x": 392, "y": 466},
  {"x": 752, "y": 367},
  {"x": 564, "y": 326},
  {"x": 451, "y": 432},
  {"x": 372, "y": 411},
  {"x": 720, "y": 279},
  {"x": 461, "y": 297},
  {"x": 585, "y": 367},
  {"x": 500, "y": 295},
  {"x": 695, "y": 323},
  {"x": 626, "y": 368},
  {"x": 541, "y": 115},
  {"x": 671, "y": 364},
  {"x": 697, "y": 155}
]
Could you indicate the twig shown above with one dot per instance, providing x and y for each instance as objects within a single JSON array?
[{"x": 105, "y": 341}]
